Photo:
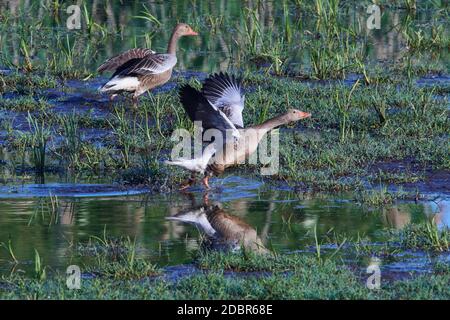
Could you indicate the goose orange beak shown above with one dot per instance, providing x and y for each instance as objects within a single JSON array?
[
  {"x": 304, "y": 115},
  {"x": 192, "y": 33}
]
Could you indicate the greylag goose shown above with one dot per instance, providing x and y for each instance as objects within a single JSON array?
[
  {"x": 139, "y": 70},
  {"x": 224, "y": 231},
  {"x": 219, "y": 106}
]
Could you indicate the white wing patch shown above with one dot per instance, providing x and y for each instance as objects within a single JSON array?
[
  {"x": 225, "y": 92},
  {"x": 121, "y": 83},
  {"x": 197, "y": 164},
  {"x": 197, "y": 218},
  {"x": 236, "y": 133}
]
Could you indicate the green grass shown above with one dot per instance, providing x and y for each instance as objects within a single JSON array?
[
  {"x": 351, "y": 130},
  {"x": 118, "y": 269},
  {"x": 424, "y": 237},
  {"x": 116, "y": 258},
  {"x": 72, "y": 140},
  {"x": 384, "y": 117},
  {"x": 19, "y": 82},
  {"x": 248, "y": 262},
  {"x": 294, "y": 277},
  {"x": 40, "y": 135},
  {"x": 380, "y": 196},
  {"x": 24, "y": 104}
]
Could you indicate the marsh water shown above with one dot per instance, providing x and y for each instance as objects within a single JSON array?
[
  {"x": 284, "y": 220},
  {"x": 53, "y": 217}
]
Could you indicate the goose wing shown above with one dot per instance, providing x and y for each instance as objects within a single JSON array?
[
  {"x": 195, "y": 216},
  {"x": 225, "y": 92},
  {"x": 119, "y": 60},
  {"x": 198, "y": 108},
  {"x": 197, "y": 164},
  {"x": 149, "y": 65}
]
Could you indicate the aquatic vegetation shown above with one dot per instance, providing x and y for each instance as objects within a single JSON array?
[
  {"x": 424, "y": 236},
  {"x": 24, "y": 104},
  {"x": 410, "y": 5},
  {"x": 68, "y": 59},
  {"x": 327, "y": 16},
  {"x": 344, "y": 106},
  {"x": 247, "y": 261},
  {"x": 158, "y": 106},
  {"x": 310, "y": 281},
  {"x": 26, "y": 53},
  {"x": 381, "y": 196},
  {"x": 396, "y": 177},
  {"x": 379, "y": 104},
  {"x": 19, "y": 82},
  {"x": 275, "y": 54},
  {"x": 10, "y": 250},
  {"x": 335, "y": 58},
  {"x": 39, "y": 137},
  {"x": 116, "y": 258},
  {"x": 91, "y": 25},
  {"x": 253, "y": 33},
  {"x": 352, "y": 128},
  {"x": 363, "y": 247},
  {"x": 72, "y": 140},
  {"x": 122, "y": 132},
  {"x": 148, "y": 16},
  {"x": 134, "y": 269},
  {"x": 39, "y": 269},
  {"x": 418, "y": 40},
  {"x": 126, "y": 266},
  {"x": 47, "y": 208},
  {"x": 441, "y": 267}
]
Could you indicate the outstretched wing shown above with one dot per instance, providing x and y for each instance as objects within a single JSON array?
[
  {"x": 148, "y": 65},
  {"x": 225, "y": 92},
  {"x": 195, "y": 216},
  {"x": 119, "y": 60},
  {"x": 198, "y": 108}
]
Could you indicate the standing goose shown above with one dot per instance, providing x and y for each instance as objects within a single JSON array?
[
  {"x": 219, "y": 106},
  {"x": 139, "y": 70}
]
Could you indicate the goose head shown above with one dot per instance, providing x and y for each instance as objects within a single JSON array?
[
  {"x": 295, "y": 115},
  {"x": 183, "y": 29}
]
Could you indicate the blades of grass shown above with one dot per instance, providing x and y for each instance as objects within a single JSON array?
[{"x": 316, "y": 240}]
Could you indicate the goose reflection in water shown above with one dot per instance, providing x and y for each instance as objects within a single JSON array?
[
  {"x": 397, "y": 217},
  {"x": 439, "y": 211},
  {"x": 223, "y": 231}
]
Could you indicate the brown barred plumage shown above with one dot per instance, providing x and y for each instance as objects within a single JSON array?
[
  {"x": 139, "y": 70},
  {"x": 113, "y": 63}
]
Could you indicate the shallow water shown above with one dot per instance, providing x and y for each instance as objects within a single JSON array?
[{"x": 283, "y": 220}]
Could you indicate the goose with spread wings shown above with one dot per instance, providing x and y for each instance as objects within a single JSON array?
[
  {"x": 139, "y": 70},
  {"x": 219, "y": 106}
]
